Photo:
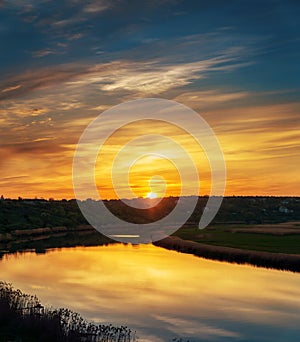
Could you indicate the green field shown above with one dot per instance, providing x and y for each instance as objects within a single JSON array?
[{"x": 229, "y": 236}]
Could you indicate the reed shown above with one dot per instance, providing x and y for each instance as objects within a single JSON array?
[
  {"x": 280, "y": 261},
  {"x": 24, "y": 318}
]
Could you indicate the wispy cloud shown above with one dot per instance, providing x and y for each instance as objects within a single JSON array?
[
  {"x": 204, "y": 98},
  {"x": 43, "y": 53},
  {"x": 38, "y": 79},
  {"x": 149, "y": 77},
  {"x": 97, "y": 6},
  {"x": 257, "y": 119},
  {"x": 154, "y": 78},
  {"x": 12, "y": 88},
  {"x": 66, "y": 63}
]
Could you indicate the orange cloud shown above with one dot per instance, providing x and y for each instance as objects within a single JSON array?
[{"x": 39, "y": 132}]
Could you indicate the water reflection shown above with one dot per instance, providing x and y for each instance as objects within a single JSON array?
[{"x": 161, "y": 293}]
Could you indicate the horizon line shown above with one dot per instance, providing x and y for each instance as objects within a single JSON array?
[{"x": 51, "y": 199}]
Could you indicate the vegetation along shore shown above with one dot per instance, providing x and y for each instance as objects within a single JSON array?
[
  {"x": 24, "y": 318},
  {"x": 262, "y": 231}
]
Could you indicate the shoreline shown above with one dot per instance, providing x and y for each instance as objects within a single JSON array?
[
  {"x": 31, "y": 234},
  {"x": 18, "y": 239},
  {"x": 279, "y": 261},
  {"x": 42, "y": 239}
]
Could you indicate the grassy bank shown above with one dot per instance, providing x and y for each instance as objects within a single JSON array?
[
  {"x": 260, "y": 245},
  {"x": 280, "y": 261},
  {"x": 42, "y": 243},
  {"x": 274, "y": 238},
  {"x": 23, "y": 318}
]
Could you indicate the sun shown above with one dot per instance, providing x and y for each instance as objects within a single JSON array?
[{"x": 151, "y": 195}]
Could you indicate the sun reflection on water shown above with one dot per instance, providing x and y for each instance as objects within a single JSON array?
[{"x": 160, "y": 293}]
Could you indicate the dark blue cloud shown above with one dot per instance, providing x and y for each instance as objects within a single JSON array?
[{"x": 43, "y": 33}]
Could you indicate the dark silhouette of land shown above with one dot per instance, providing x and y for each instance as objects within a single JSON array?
[
  {"x": 24, "y": 318},
  {"x": 22, "y": 214},
  {"x": 262, "y": 231},
  {"x": 280, "y": 261}
]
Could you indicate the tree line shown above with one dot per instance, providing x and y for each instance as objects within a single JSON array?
[{"x": 21, "y": 213}]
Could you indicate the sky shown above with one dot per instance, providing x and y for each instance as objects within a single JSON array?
[{"x": 63, "y": 63}]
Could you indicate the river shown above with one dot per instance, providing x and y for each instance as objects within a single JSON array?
[{"x": 162, "y": 294}]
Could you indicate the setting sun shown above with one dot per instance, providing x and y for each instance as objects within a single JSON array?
[{"x": 151, "y": 195}]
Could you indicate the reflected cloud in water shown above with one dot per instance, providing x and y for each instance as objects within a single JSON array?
[{"x": 163, "y": 294}]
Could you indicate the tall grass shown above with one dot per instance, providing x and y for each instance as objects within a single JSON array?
[
  {"x": 23, "y": 318},
  {"x": 280, "y": 261}
]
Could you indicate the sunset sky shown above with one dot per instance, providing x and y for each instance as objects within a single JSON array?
[{"x": 234, "y": 62}]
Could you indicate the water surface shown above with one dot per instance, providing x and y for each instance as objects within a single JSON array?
[{"x": 163, "y": 294}]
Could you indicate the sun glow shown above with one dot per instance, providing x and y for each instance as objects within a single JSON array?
[{"x": 151, "y": 195}]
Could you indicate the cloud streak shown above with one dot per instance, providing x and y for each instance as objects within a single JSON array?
[
  {"x": 64, "y": 63},
  {"x": 149, "y": 77}
]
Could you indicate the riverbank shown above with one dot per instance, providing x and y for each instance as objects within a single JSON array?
[
  {"x": 36, "y": 233},
  {"x": 280, "y": 261},
  {"x": 24, "y": 318},
  {"x": 42, "y": 239},
  {"x": 276, "y": 238}
]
